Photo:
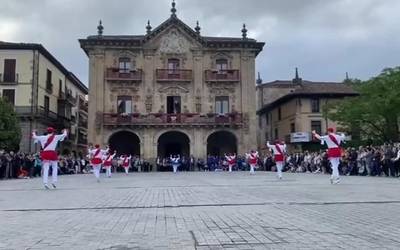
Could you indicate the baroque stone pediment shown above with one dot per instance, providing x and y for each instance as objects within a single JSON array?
[
  {"x": 174, "y": 43},
  {"x": 173, "y": 89}
]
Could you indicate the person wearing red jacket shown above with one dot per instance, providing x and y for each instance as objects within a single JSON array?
[
  {"x": 333, "y": 141},
  {"x": 48, "y": 154},
  {"x": 96, "y": 156},
  {"x": 279, "y": 150}
]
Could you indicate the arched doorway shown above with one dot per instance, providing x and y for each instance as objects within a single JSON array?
[
  {"x": 220, "y": 143},
  {"x": 172, "y": 143},
  {"x": 125, "y": 142}
]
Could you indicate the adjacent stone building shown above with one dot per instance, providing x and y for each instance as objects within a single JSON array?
[
  {"x": 44, "y": 93},
  {"x": 172, "y": 91},
  {"x": 290, "y": 110}
]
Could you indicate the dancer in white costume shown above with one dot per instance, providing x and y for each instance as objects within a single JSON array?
[
  {"x": 126, "y": 162},
  {"x": 279, "y": 150},
  {"x": 96, "y": 156},
  {"x": 108, "y": 163},
  {"x": 253, "y": 159},
  {"x": 175, "y": 160},
  {"x": 231, "y": 159},
  {"x": 333, "y": 142},
  {"x": 48, "y": 154}
]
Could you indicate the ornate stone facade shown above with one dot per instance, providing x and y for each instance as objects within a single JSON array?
[{"x": 172, "y": 81}]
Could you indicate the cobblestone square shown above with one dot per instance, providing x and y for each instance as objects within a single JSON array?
[{"x": 201, "y": 210}]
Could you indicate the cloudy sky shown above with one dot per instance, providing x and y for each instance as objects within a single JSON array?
[{"x": 324, "y": 39}]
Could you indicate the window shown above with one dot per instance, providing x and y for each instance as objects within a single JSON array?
[
  {"x": 49, "y": 85},
  {"x": 292, "y": 127},
  {"x": 9, "y": 96},
  {"x": 124, "y": 104},
  {"x": 46, "y": 104},
  {"x": 267, "y": 118},
  {"x": 221, "y": 65},
  {"x": 173, "y": 65},
  {"x": 9, "y": 70},
  {"x": 221, "y": 104},
  {"x": 316, "y": 125},
  {"x": 60, "y": 86},
  {"x": 173, "y": 104},
  {"x": 315, "y": 105},
  {"x": 276, "y": 134},
  {"x": 266, "y": 136},
  {"x": 279, "y": 114},
  {"x": 124, "y": 65}
]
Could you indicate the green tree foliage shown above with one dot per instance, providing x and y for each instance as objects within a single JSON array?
[
  {"x": 374, "y": 114},
  {"x": 10, "y": 131}
]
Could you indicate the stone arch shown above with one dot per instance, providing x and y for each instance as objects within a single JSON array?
[
  {"x": 221, "y": 142},
  {"x": 125, "y": 142},
  {"x": 173, "y": 142}
]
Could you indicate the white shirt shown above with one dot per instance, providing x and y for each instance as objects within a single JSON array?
[
  {"x": 101, "y": 154},
  {"x": 326, "y": 139},
  {"x": 275, "y": 150},
  {"x": 43, "y": 140}
]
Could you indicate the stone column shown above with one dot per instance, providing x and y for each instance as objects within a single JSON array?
[{"x": 96, "y": 96}]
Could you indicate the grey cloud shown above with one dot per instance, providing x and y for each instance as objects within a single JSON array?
[{"x": 323, "y": 38}]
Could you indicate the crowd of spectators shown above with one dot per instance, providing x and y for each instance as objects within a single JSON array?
[{"x": 369, "y": 160}]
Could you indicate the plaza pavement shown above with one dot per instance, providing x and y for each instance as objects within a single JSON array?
[{"x": 201, "y": 210}]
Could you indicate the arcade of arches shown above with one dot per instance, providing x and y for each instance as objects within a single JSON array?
[{"x": 173, "y": 143}]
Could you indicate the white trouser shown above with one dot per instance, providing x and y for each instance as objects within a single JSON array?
[
  {"x": 96, "y": 170},
  {"x": 126, "y": 169},
  {"x": 252, "y": 166},
  {"x": 54, "y": 166},
  {"x": 230, "y": 168},
  {"x": 175, "y": 167},
  {"x": 279, "y": 166},
  {"x": 335, "y": 167},
  {"x": 108, "y": 171}
]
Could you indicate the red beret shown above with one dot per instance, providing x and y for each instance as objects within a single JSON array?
[
  {"x": 97, "y": 146},
  {"x": 50, "y": 129},
  {"x": 331, "y": 130}
]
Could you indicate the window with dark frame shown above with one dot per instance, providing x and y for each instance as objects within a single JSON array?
[
  {"x": 221, "y": 65},
  {"x": 46, "y": 104},
  {"x": 9, "y": 96},
  {"x": 124, "y": 104},
  {"x": 49, "y": 85},
  {"x": 276, "y": 134},
  {"x": 124, "y": 65},
  {"x": 173, "y": 65},
  {"x": 316, "y": 125},
  {"x": 292, "y": 127},
  {"x": 221, "y": 104},
  {"x": 267, "y": 118},
  {"x": 279, "y": 114},
  {"x": 315, "y": 105},
  {"x": 9, "y": 70}
]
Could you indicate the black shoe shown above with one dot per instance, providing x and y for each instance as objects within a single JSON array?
[
  {"x": 54, "y": 185},
  {"x": 46, "y": 186}
]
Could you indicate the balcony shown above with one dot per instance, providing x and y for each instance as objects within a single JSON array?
[
  {"x": 174, "y": 75},
  {"x": 173, "y": 120},
  {"x": 116, "y": 75},
  {"x": 70, "y": 98},
  {"x": 229, "y": 75},
  {"x": 83, "y": 105},
  {"x": 8, "y": 79}
]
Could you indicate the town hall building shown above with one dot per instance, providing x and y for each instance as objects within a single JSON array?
[{"x": 172, "y": 91}]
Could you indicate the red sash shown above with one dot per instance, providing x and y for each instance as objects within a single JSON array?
[
  {"x": 49, "y": 155},
  {"x": 49, "y": 140},
  {"x": 333, "y": 139},
  {"x": 334, "y": 152},
  {"x": 108, "y": 161},
  {"x": 125, "y": 162},
  {"x": 278, "y": 157},
  {"x": 231, "y": 160},
  {"x": 253, "y": 159},
  {"x": 95, "y": 159}
]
